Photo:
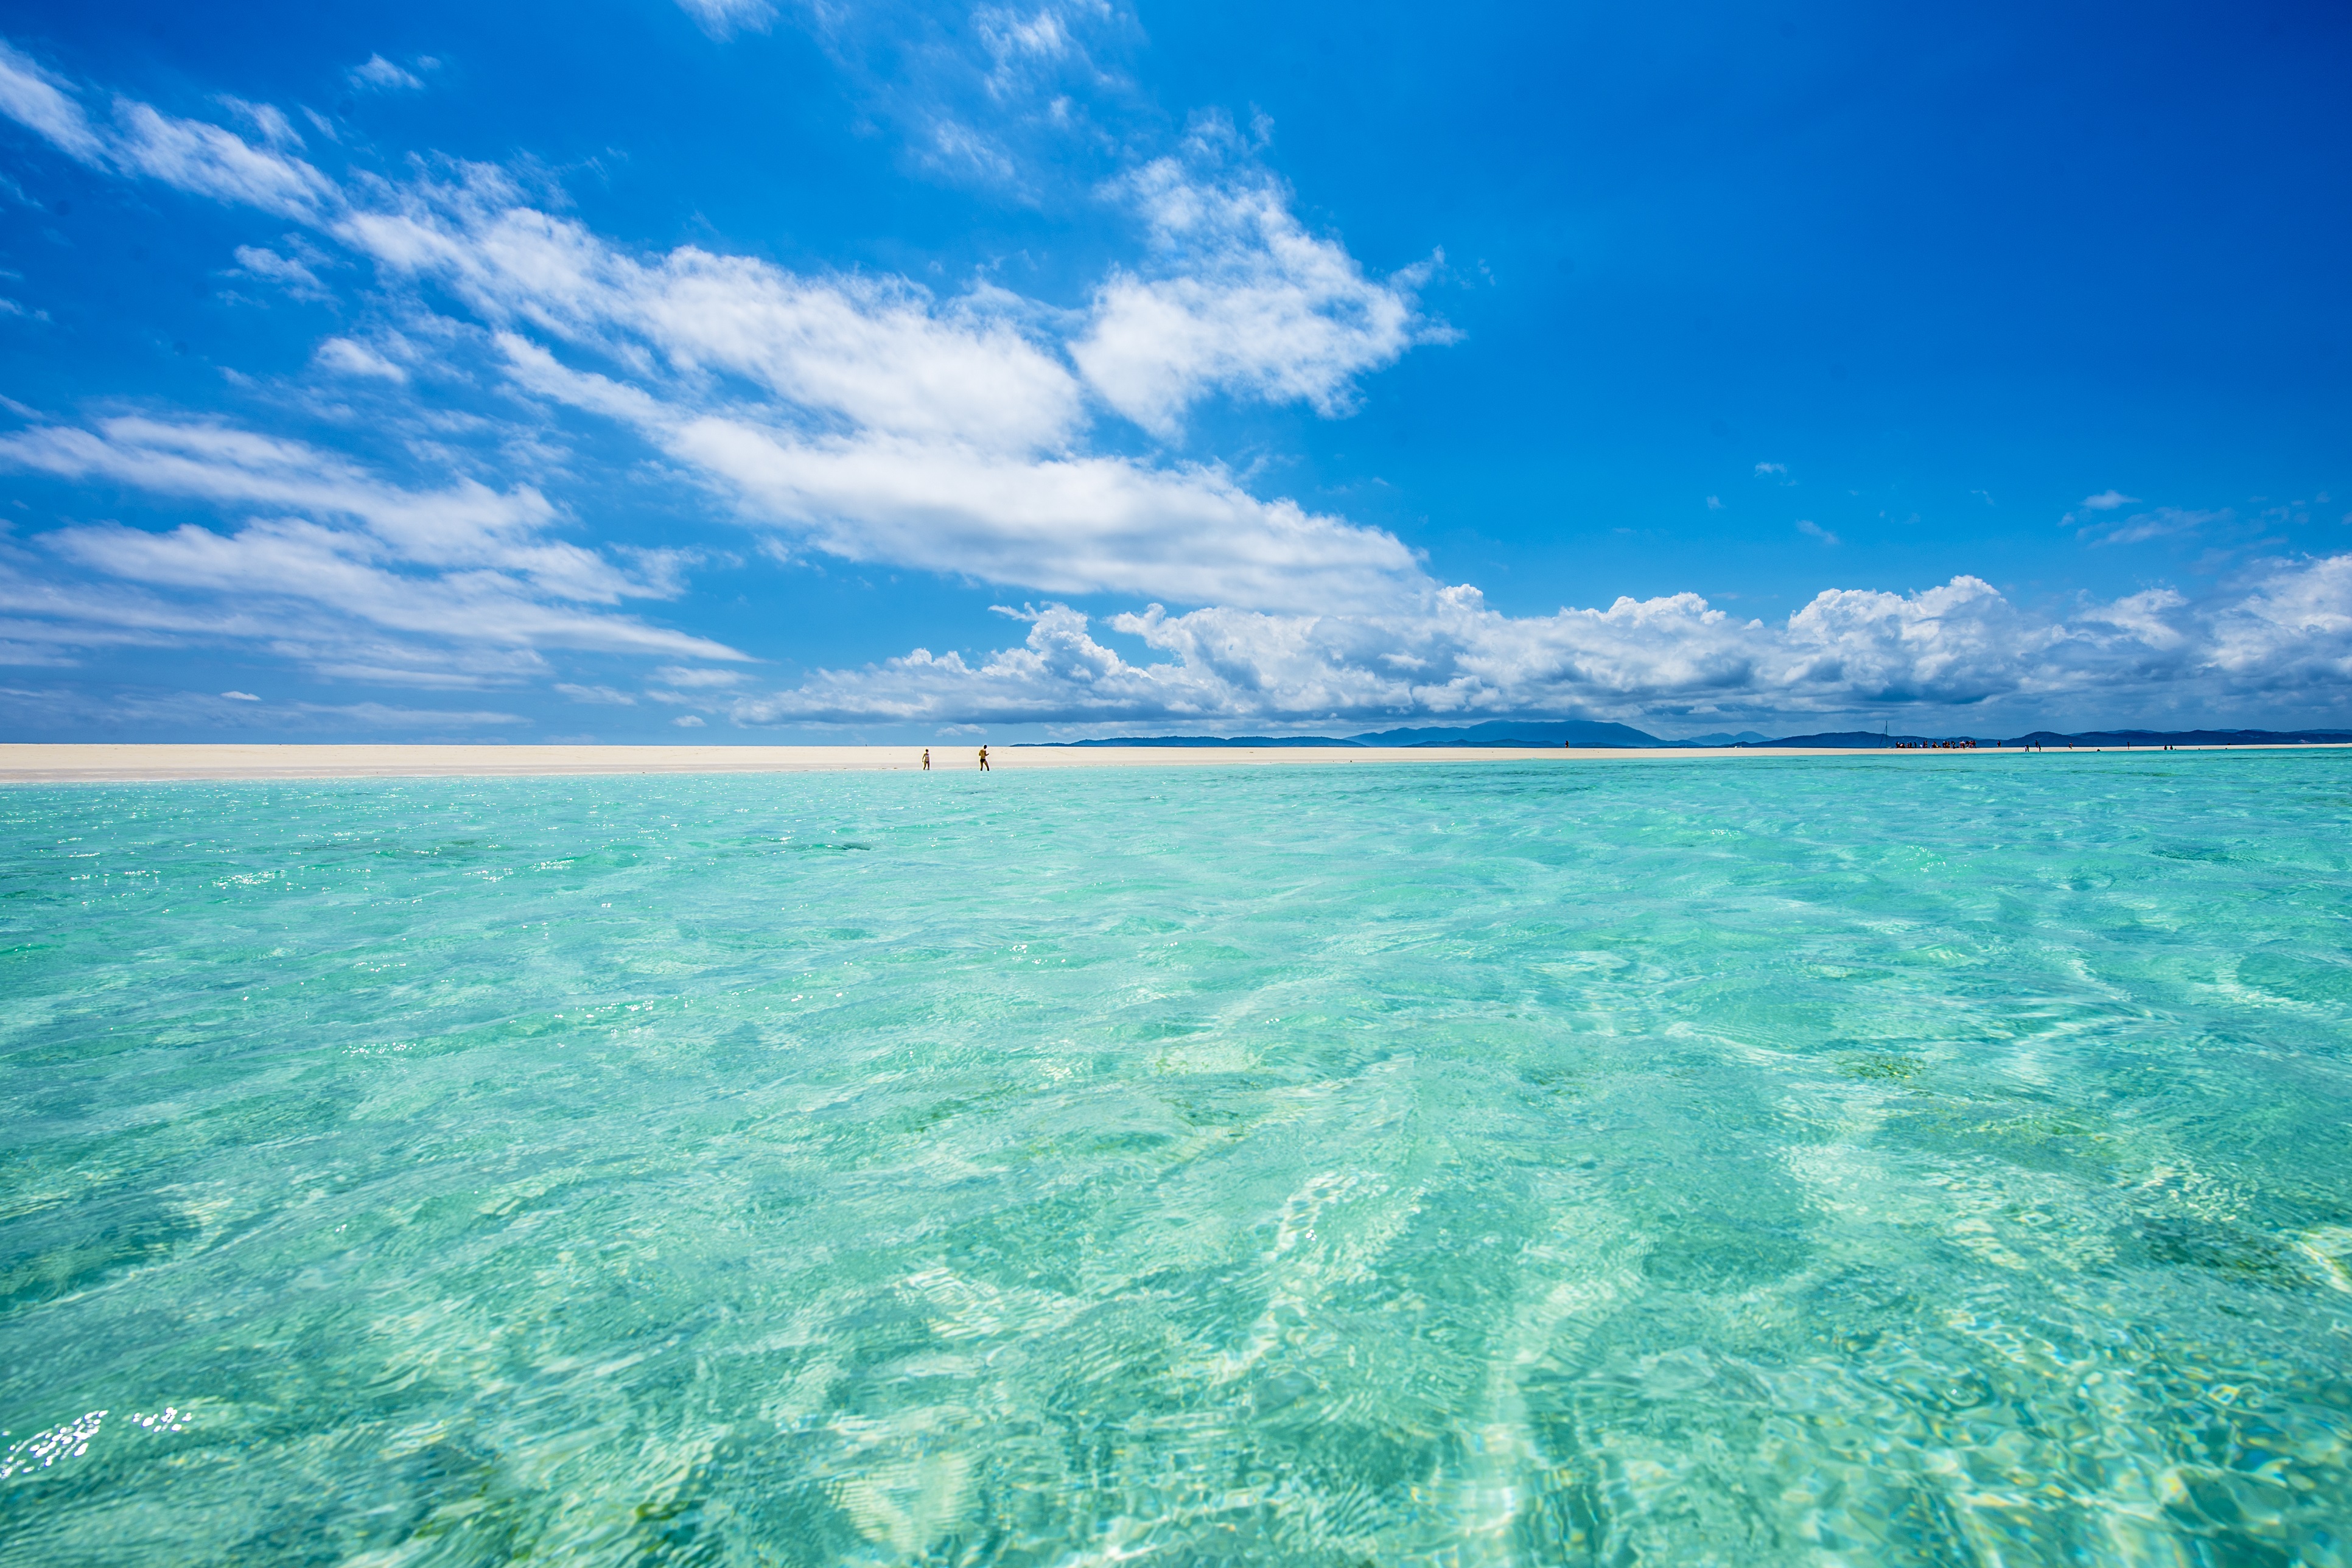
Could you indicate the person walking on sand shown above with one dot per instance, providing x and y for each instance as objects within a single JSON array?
[
  {"x": 927, "y": 759},
  {"x": 983, "y": 759}
]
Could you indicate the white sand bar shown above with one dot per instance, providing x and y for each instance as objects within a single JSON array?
[{"x": 99, "y": 763}]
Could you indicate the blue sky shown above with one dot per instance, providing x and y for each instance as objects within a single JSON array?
[{"x": 731, "y": 370}]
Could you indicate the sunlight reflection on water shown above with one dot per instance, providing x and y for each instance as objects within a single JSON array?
[{"x": 1845, "y": 1162}]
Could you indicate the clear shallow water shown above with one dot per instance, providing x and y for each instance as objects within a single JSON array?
[{"x": 1872, "y": 1162}]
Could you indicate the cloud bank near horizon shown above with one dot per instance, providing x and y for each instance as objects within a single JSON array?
[
  {"x": 1956, "y": 649},
  {"x": 978, "y": 435}
]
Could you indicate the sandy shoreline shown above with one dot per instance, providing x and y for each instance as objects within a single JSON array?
[{"x": 41, "y": 763}]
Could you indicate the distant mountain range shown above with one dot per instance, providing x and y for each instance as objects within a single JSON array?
[
  {"x": 1549, "y": 734},
  {"x": 1870, "y": 740}
]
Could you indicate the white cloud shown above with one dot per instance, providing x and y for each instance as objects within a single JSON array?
[
  {"x": 2292, "y": 632},
  {"x": 676, "y": 675},
  {"x": 2107, "y": 500},
  {"x": 1960, "y": 645},
  {"x": 2164, "y": 522},
  {"x": 910, "y": 433},
  {"x": 46, "y": 103},
  {"x": 874, "y": 354},
  {"x": 1812, "y": 530},
  {"x": 381, "y": 73},
  {"x": 724, "y": 18},
  {"x": 1003, "y": 95},
  {"x": 288, "y": 272},
  {"x": 425, "y": 573},
  {"x": 871, "y": 420},
  {"x": 202, "y": 159},
  {"x": 598, "y": 694},
  {"x": 1241, "y": 300},
  {"x": 1012, "y": 37},
  {"x": 341, "y": 570},
  {"x": 207, "y": 160},
  {"x": 465, "y": 525},
  {"x": 1034, "y": 56},
  {"x": 1764, "y": 468},
  {"x": 357, "y": 359},
  {"x": 241, "y": 696},
  {"x": 134, "y": 711},
  {"x": 1715, "y": 503},
  {"x": 268, "y": 118},
  {"x": 687, "y": 722},
  {"x": 1068, "y": 525}
]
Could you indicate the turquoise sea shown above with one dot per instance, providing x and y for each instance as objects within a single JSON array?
[{"x": 1919, "y": 1160}]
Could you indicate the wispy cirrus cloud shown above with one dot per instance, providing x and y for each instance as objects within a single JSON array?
[
  {"x": 997, "y": 96},
  {"x": 384, "y": 76},
  {"x": 357, "y": 576},
  {"x": 43, "y": 101},
  {"x": 2158, "y": 522},
  {"x": 724, "y": 18},
  {"x": 145, "y": 712},
  {"x": 291, "y": 273},
  {"x": 199, "y": 158}
]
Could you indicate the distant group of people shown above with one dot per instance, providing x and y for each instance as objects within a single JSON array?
[{"x": 983, "y": 759}]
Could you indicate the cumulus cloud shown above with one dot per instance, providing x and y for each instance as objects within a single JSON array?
[
  {"x": 2292, "y": 632},
  {"x": 1239, "y": 298},
  {"x": 2107, "y": 500},
  {"x": 1963, "y": 644}
]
